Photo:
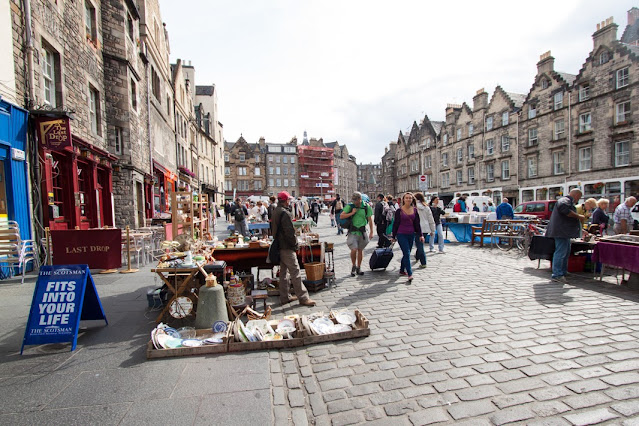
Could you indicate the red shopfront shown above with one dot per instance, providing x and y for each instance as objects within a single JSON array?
[
  {"x": 77, "y": 183},
  {"x": 160, "y": 192}
]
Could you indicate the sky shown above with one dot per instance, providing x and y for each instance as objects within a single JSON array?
[{"x": 360, "y": 71}]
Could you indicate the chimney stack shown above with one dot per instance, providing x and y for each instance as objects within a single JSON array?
[
  {"x": 480, "y": 100},
  {"x": 546, "y": 64},
  {"x": 606, "y": 33}
]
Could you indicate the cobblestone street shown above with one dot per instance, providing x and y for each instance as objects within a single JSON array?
[{"x": 480, "y": 337}]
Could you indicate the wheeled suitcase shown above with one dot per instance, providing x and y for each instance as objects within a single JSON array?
[{"x": 381, "y": 258}]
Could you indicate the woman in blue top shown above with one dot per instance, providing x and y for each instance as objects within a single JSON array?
[{"x": 405, "y": 229}]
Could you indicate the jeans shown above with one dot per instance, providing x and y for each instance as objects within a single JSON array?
[
  {"x": 560, "y": 258},
  {"x": 340, "y": 230},
  {"x": 405, "y": 242},
  {"x": 421, "y": 253},
  {"x": 440, "y": 241},
  {"x": 242, "y": 228}
]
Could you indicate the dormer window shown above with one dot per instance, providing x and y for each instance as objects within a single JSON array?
[
  {"x": 604, "y": 57},
  {"x": 545, "y": 83}
]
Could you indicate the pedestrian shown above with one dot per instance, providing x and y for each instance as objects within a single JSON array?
[
  {"x": 587, "y": 207},
  {"x": 283, "y": 222},
  {"x": 380, "y": 222},
  {"x": 600, "y": 217},
  {"x": 271, "y": 207},
  {"x": 427, "y": 225},
  {"x": 315, "y": 211},
  {"x": 437, "y": 212},
  {"x": 389, "y": 213},
  {"x": 564, "y": 224},
  {"x": 227, "y": 211},
  {"x": 491, "y": 207},
  {"x": 475, "y": 208},
  {"x": 336, "y": 208},
  {"x": 505, "y": 211},
  {"x": 622, "y": 216},
  {"x": 484, "y": 207},
  {"x": 357, "y": 238},
  {"x": 240, "y": 214},
  {"x": 406, "y": 228}
]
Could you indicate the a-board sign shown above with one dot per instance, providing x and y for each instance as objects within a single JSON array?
[{"x": 63, "y": 295}]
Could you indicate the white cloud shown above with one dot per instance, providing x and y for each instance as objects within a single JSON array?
[{"x": 360, "y": 71}]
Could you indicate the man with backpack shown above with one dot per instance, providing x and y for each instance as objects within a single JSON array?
[
  {"x": 315, "y": 211},
  {"x": 360, "y": 215},
  {"x": 240, "y": 213},
  {"x": 380, "y": 222},
  {"x": 336, "y": 209}
]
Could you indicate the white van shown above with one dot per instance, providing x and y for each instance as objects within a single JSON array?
[{"x": 470, "y": 199}]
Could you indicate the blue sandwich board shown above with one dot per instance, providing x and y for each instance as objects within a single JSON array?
[{"x": 64, "y": 295}]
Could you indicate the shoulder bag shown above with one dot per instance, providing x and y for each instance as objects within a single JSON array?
[{"x": 274, "y": 250}]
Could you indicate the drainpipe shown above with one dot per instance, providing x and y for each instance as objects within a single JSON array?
[
  {"x": 29, "y": 51},
  {"x": 148, "y": 124},
  {"x": 569, "y": 136}
]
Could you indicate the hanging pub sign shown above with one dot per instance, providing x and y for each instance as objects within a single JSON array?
[
  {"x": 98, "y": 248},
  {"x": 63, "y": 295},
  {"x": 54, "y": 133}
]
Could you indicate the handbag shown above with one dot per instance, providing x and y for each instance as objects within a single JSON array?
[{"x": 274, "y": 250}]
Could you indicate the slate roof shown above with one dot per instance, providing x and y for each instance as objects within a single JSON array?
[
  {"x": 228, "y": 145},
  {"x": 437, "y": 126},
  {"x": 331, "y": 144},
  {"x": 568, "y": 78},
  {"x": 633, "y": 48},
  {"x": 204, "y": 90},
  {"x": 517, "y": 98}
]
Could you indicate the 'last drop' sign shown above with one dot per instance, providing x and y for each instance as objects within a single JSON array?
[{"x": 64, "y": 295}]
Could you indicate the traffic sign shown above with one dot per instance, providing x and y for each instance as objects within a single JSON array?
[{"x": 422, "y": 178}]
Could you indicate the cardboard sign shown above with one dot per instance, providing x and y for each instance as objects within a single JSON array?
[
  {"x": 64, "y": 295},
  {"x": 54, "y": 133},
  {"x": 98, "y": 248}
]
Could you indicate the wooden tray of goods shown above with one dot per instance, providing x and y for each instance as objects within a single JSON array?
[
  {"x": 273, "y": 334},
  {"x": 155, "y": 350},
  {"x": 358, "y": 328}
]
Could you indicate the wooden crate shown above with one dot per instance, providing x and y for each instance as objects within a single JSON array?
[
  {"x": 315, "y": 286},
  {"x": 152, "y": 353},
  {"x": 360, "y": 329},
  {"x": 296, "y": 341}
]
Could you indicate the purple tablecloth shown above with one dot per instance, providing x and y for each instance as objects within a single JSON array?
[{"x": 621, "y": 255}]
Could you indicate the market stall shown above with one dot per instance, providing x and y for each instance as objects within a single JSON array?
[{"x": 620, "y": 251}]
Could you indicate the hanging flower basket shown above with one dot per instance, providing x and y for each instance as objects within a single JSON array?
[{"x": 598, "y": 186}]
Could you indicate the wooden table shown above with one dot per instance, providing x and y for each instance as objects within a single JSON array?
[
  {"x": 246, "y": 258},
  {"x": 182, "y": 277}
]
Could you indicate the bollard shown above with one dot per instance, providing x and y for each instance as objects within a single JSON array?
[{"x": 128, "y": 254}]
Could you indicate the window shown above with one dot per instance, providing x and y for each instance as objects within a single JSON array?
[
  {"x": 226, "y": 157},
  {"x": 505, "y": 143},
  {"x": 242, "y": 157},
  {"x": 228, "y": 185},
  {"x": 471, "y": 151},
  {"x": 584, "y": 92},
  {"x": 470, "y": 129},
  {"x": 285, "y": 169},
  {"x": 278, "y": 182},
  {"x": 584, "y": 123},
  {"x": 604, "y": 57},
  {"x": 94, "y": 110},
  {"x": 489, "y": 123},
  {"x": 622, "y": 112},
  {"x": 560, "y": 129},
  {"x": 490, "y": 146},
  {"x": 622, "y": 153},
  {"x": 532, "y": 167},
  {"x": 134, "y": 96},
  {"x": 558, "y": 100},
  {"x": 241, "y": 171},
  {"x": 155, "y": 84},
  {"x": 459, "y": 134},
  {"x": 257, "y": 158},
  {"x": 89, "y": 22},
  {"x": 505, "y": 170},
  {"x": 504, "y": 118},
  {"x": 558, "y": 162},
  {"x": 459, "y": 177},
  {"x": 490, "y": 172},
  {"x": 285, "y": 159},
  {"x": 585, "y": 158},
  {"x": 168, "y": 106},
  {"x": 292, "y": 182},
  {"x": 622, "y": 78},
  {"x": 445, "y": 180},
  {"x": 460, "y": 155},
  {"x": 118, "y": 140},
  {"x": 471, "y": 175},
  {"x": 243, "y": 185},
  {"x": 278, "y": 159},
  {"x": 227, "y": 171},
  {"x": 49, "y": 72},
  {"x": 427, "y": 162},
  {"x": 257, "y": 172},
  {"x": 257, "y": 185},
  {"x": 292, "y": 170},
  {"x": 270, "y": 182},
  {"x": 445, "y": 138},
  {"x": 129, "y": 26},
  {"x": 532, "y": 111},
  {"x": 532, "y": 137},
  {"x": 545, "y": 83},
  {"x": 277, "y": 171},
  {"x": 292, "y": 160},
  {"x": 445, "y": 159},
  {"x": 428, "y": 143}
]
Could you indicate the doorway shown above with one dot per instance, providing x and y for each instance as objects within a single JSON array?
[{"x": 139, "y": 198}]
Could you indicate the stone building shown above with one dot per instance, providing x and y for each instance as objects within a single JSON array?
[
  {"x": 59, "y": 72},
  {"x": 369, "y": 178},
  {"x": 316, "y": 165},
  {"x": 206, "y": 112},
  {"x": 430, "y": 131},
  {"x": 244, "y": 164},
  {"x": 344, "y": 171},
  {"x": 185, "y": 126},
  {"x": 126, "y": 113},
  {"x": 388, "y": 169},
  {"x": 281, "y": 167}
]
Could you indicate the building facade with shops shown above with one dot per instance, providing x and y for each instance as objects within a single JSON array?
[{"x": 244, "y": 173}]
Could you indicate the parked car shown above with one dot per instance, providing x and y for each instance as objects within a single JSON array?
[{"x": 542, "y": 208}]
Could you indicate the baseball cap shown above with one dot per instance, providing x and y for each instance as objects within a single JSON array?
[{"x": 283, "y": 196}]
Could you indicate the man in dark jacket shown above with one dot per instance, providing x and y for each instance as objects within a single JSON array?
[
  {"x": 380, "y": 222},
  {"x": 564, "y": 224},
  {"x": 282, "y": 221}
]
